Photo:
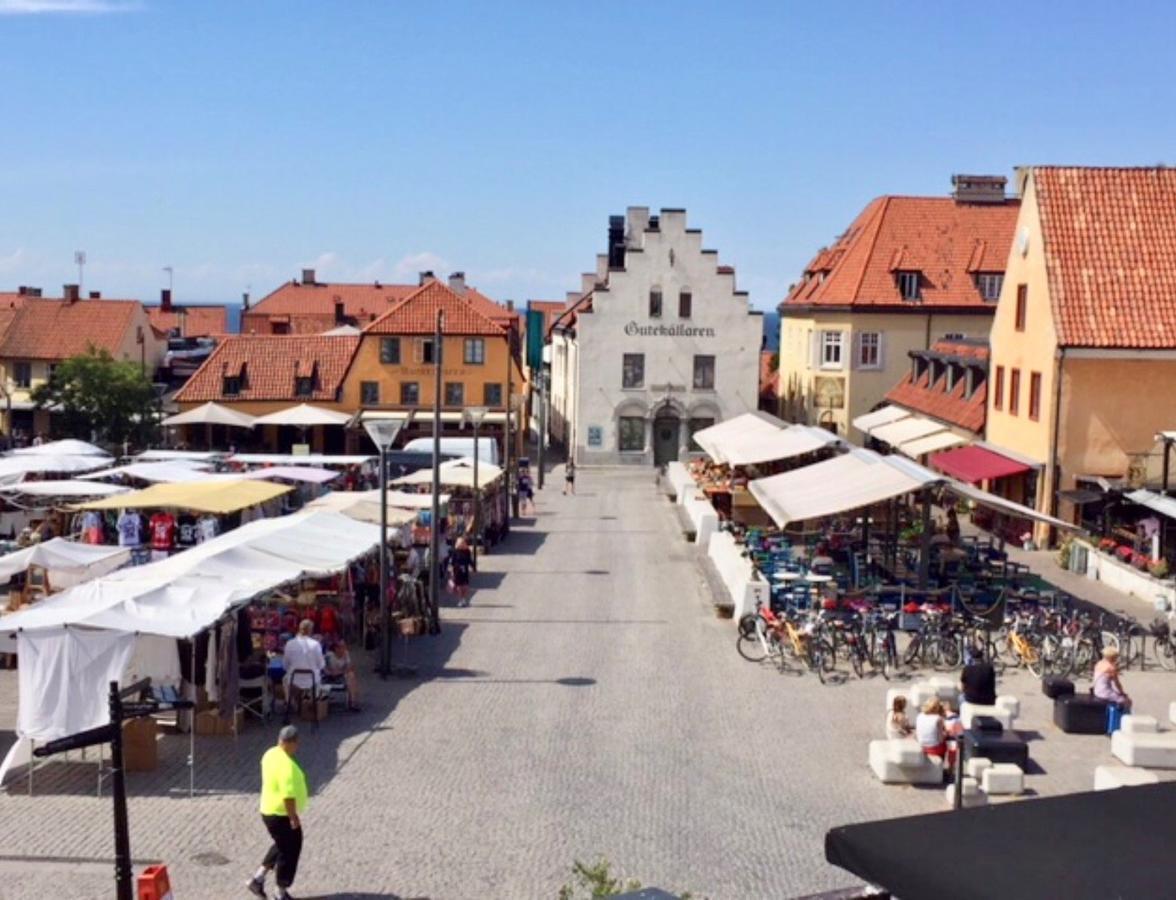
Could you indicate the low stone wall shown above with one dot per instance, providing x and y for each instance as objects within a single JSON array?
[
  {"x": 737, "y": 573},
  {"x": 1103, "y": 567}
]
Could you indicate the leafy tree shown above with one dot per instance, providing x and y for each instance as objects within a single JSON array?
[{"x": 97, "y": 395}]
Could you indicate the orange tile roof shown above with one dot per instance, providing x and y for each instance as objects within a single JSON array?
[
  {"x": 947, "y": 241},
  {"x": 271, "y": 363},
  {"x": 55, "y": 329},
  {"x": 1109, "y": 237},
  {"x": 363, "y": 302},
  {"x": 952, "y": 406},
  {"x": 203, "y": 321},
  {"x": 496, "y": 312},
  {"x": 417, "y": 314}
]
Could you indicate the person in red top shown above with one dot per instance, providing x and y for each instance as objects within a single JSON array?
[
  {"x": 329, "y": 620},
  {"x": 163, "y": 531}
]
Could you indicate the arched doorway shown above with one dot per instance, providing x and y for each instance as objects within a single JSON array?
[{"x": 667, "y": 426}]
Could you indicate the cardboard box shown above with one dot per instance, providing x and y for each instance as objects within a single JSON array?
[
  {"x": 140, "y": 752},
  {"x": 308, "y": 710},
  {"x": 209, "y": 722}
]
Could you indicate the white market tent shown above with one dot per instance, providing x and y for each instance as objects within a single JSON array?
[
  {"x": 784, "y": 443},
  {"x": 166, "y": 471},
  {"x": 14, "y": 468},
  {"x": 211, "y": 414},
  {"x": 304, "y": 415},
  {"x": 64, "y": 668},
  {"x": 716, "y": 439},
  {"x": 363, "y": 506},
  {"x": 1164, "y": 505},
  {"x": 454, "y": 473},
  {"x": 300, "y": 459},
  {"x": 67, "y": 447},
  {"x": 908, "y": 429},
  {"x": 71, "y": 489},
  {"x": 174, "y": 455},
  {"x": 68, "y": 562},
  {"x": 308, "y": 474}
]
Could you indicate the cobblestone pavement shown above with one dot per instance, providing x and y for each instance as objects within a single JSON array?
[{"x": 587, "y": 704}]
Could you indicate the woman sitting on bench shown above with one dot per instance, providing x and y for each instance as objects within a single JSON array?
[{"x": 931, "y": 732}]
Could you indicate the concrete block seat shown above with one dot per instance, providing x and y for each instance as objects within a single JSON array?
[
  {"x": 1172, "y": 712},
  {"x": 946, "y": 689},
  {"x": 1080, "y": 714},
  {"x": 1108, "y": 778},
  {"x": 970, "y": 793},
  {"x": 1149, "y": 749},
  {"x": 1005, "y": 710},
  {"x": 902, "y": 761},
  {"x": 976, "y": 766},
  {"x": 1136, "y": 724},
  {"x": 1003, "y": 778}
]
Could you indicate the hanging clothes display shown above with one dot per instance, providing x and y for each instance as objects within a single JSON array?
[
  {"x": 210, "y": 663},
  {"x": 228, "y": 667},
  {"x": 154, "y": 657},
  {"x": 129, "y": 530}
]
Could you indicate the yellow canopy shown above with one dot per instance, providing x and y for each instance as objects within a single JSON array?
[{"x": 216, "y": 497}]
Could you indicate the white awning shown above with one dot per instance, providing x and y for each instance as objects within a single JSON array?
[
  {"x": 67, "y": 561},
  {"x": 1165, "y": 506},
  {"x": 905, "y": 430},
  {"x": 363, "y": 506},
  {"x": 211, "y": 414},
  {"x": 454, "y": 473},
  {"x": 309, "y": 474},
  {"x": 168, "y": 472},
  {"x": 984, "y": 498},
  {"x": 883, "y": 416},
  {"x": 783, "y": 443},
  {"x": 857, "y": 479},
  {"x": 13, "y": 468},
  {"x": 173, "y": 455},
  {"x": 67, "y": 447},
  {"x": 717, "y": 439},
  {"x": 72, "y": 489},
  {"x": 304, "y": 459},
  {"x": 304, "y": 415},
  {"x": 929, "y": 444}
]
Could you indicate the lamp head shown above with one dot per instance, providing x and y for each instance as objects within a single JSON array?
[
  {"x": 476, "y": 414},
  {"x": 383, "y": 431}
]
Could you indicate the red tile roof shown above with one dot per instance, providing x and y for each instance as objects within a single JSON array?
[
  {"x": 417, "y": 314},
  {"x": 202, "y": 321},
  {"x": 946, "y": 240},
  {"x": 952, "y": 406},
  {"x": 1109, "y": 237},
  {"x": 495, "y": 312},
  {"x": 55, "y": 329},
  {"x": 271, "y": 363},
  {"x": 310, "y": 308}
]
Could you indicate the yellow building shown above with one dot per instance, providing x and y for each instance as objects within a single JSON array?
[
  {"x": 1084, "y": 340},
  {"x": 908, "y": 272}
]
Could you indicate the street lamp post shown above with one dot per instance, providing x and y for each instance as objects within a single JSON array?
[
  {"x": 383, "y": 433},
  {"x": 476, "y": 414}
]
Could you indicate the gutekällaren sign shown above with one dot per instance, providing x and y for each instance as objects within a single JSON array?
[{"x": 679, "y": 329}]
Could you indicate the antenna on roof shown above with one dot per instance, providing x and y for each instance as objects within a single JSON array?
[{"x": 80, "y": 261}]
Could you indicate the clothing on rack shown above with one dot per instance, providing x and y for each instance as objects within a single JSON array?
[
  {"x": 186, "y": 530},
  {"x": 208, "y": 527},
  {"x": 129, "y": 532},
  {"x": 163, "y": 531}
]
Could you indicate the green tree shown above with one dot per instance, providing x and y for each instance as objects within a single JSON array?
[{"x": 97, "y": 395}]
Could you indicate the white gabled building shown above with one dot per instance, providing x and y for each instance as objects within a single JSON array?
[{"x": 656, "y": 345}]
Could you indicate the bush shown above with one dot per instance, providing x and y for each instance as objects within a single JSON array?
[
  {"x": 1124, "y": 553},
  {"x": 1140, "y": 561},
  {"x": 1158, "y": 568},
  {"x": 1108, "y": 545},
  {"x": 1064, "y": 554}
]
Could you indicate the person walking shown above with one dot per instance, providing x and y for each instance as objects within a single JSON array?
[
  {"x": 284, "y": 796},
  {"x": 570, "y": 477}
]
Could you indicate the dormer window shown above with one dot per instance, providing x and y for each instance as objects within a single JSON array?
[
  {"x": 989, "y": 285},
  {"x": 909, "y": 283},
  {"x": 231, "y": 386},
  {"x": 303, "y": 386}
]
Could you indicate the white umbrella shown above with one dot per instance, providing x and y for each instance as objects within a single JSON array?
[
  {"x": 211, "y": 414},
  {"x": 68, "y": 447},
  {"x": 303, "y": 416}
]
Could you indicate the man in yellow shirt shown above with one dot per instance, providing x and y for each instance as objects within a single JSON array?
[{"x": 283, "y": 798}]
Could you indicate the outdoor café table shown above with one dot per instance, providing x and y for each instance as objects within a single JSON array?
[
  {"x": 814, "y": 578},
  {"x": 787, "y": 576}
]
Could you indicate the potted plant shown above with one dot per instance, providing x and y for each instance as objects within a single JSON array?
[
  {"x": 1158, "y": 568},
  {"x": 1064, "y": 554},
  {"x": 1140, "y": 561},
  {"x": 1124, "y": 553},
  {"x": 1108, "y": 545}
]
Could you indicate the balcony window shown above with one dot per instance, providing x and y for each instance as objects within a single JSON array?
[
  {"x": 369, "y": 393},
  {"x": 492, "y": 394},
  {"x": 22, "y": 374},
  {"x": 454, "y": 393}
]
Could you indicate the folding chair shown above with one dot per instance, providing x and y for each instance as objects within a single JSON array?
[
  {"x": 258, "y": 703},
  {"x": 313, "y": 690}
]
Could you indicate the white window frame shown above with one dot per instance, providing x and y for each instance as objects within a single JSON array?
[
  {"x": 875, "y": 344},
  {"x": 829, "y": 340},
  {"x": 908, "y": 278},
  {"x": 990, "y": 279}
]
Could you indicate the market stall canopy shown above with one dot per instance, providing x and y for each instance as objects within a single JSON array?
[
  {"x": 1164, "y": 505},
  {"x": 975, "y": 464},
  {"x": 363, "y": 506},
  {"x": 985, "y": 498},
  {"x": 1133, "y": 859},
  {"x": 454, "y": 473},
  {"x": 296, "y": 459},
  {"x": 782, "y": 443},
  {"x": 62, "y": 557},
  {"x": 308, "y": 474},
  {"x": 304, "y": 416},
  {"x": 908, "y": 429},
  {"x": 72, "y": 489},
  {"x": 167, "y": 471},
  {"x": 174, "y": 455},
  {"x": 217, "y": 497},
  {"x": 716, "y": 439},
  {"x": 14, "y": 468},
  {"x": 211, "y": 414},
  {"x": 856, "y": 479},
  {"x": 883, "y": 416},
  {"x": 67, "y": 447}
]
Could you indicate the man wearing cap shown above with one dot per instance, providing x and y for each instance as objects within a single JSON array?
[{"x": 283, "y": 798}]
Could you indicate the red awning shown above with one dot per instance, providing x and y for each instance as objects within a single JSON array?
[{"x": 975, "y": 464}]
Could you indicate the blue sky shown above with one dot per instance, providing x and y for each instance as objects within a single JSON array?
[{"x": 238, "y": 142}]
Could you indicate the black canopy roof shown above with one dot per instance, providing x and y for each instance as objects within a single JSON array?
[{"x": 1099, "y": 845}]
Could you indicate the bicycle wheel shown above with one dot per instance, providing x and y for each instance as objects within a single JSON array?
[
  {"x": 1035, "y": 659},
  {"x": 914, "y": 651},
  {"x": 747, "y": 623},
  {"x": 1166, "y": 653},
  {"x": 1053, "y": 657},
  {"x": 820, "y": 658},
  {"x": 1085, "y": 656},
  {"x": 751, "y": 648},
  {"x": 949, "y": 653},
  {"x": 856, "y": 655}
]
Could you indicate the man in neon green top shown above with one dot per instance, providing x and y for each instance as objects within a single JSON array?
[{"x": 283, "y": 798}]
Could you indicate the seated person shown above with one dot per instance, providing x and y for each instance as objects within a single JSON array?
[
  {"x": 339, "y": 670},
  {"x": 1106, "y": 680},
  {"x": 302, "y": 661},
  {"x": 897, "y": 723},
  {"x": 978, "y": 684},
  {"x": 952, "y": 726},
  {"x": 931, "y": 732}
]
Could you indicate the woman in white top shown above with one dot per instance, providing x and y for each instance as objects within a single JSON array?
[{"x": 932, "y": 734}]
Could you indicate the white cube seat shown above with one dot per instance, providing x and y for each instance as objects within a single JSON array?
[
  {"x": 1003, "y": 714},
  {"x": 1003, "y": 778},
  {"x": 970, "y": 793},
  {"x": 1151, "y": 750},
  {"x": 1134, "y": 724},
  {"x": 1010, "y": 704},
  {"x": 920, "y": 693},
  {"x": 902, "y": 761},
  {"x": 976, "y": 765},
  {"x": 945, "y": 688},
  {"x": 1172, "y": 712},
  {"x": 1108, "y": 778}
]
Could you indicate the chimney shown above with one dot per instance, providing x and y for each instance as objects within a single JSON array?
[
  {"x": 457, "y": 282},
  {"x": 426, "y": 276},
  {"x": 245, "y": 301},
  {"x": 95, "y": 295},
  {"x": 308, "y": 276},
  {"x": 165, "y": 300},
  {"x": 340, "y": 318},
  {"x": 978, "y": 188},
  {"x": 70, "y": 292},
  {"x": 26, "y": 291},
  {"x": 616, "y": 242},
  {"x": 509, "y": 305}
]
